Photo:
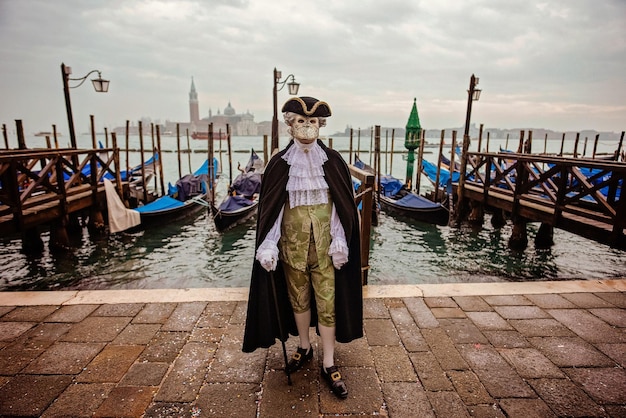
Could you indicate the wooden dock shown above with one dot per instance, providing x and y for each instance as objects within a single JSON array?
[
  {"x": 580, "y": 195},
  {"x": 47, "y": 186}
]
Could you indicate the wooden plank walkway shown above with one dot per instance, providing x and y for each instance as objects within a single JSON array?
[{"x": 579, "y": 195}]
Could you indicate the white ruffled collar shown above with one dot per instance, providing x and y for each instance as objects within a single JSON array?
[{"x": 306, "y": 184}]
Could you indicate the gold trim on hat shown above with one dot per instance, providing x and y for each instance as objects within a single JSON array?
[{"x": 315, "y": 106}]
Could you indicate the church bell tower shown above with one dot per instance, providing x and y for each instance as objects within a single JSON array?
[{"x": 194, "y": 112}]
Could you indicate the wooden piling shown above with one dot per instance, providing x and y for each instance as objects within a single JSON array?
[
  {"x": 545, "y": 236},
  {"x": 5, "y": 136},
  {"x": 96, "y": 225},
  {"x": 595, "y": 146},
  {"x": 180, "y": 168},
  {"x": 160, "y": 162},
  {"x": 437, "y": 189},
  {"x": 54, "y": 135},
  {"x": 420, "y": 157},
  {"x": 143, "y": 168},
  {"x": 350, "y": 147},
  {"x": 127, "y": 136},
  {"x": 21, "y": 142},
  {"x": 562, "y": 144},
  {"x": 576, "y": 144},
  {"x": 393, "y": 134}
]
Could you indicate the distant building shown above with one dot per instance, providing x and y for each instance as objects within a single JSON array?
[{"x": 241, "y": 124}]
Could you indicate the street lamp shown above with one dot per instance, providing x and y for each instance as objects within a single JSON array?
[
  {"x": 99, "y": 84},
  {"x": 472, "y": 94},
  {"x": 293, "y": 90}
]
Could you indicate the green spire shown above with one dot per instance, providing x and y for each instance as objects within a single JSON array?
[
  {"x": 412, "y": 141},
  {"x": 413, "y": 129}
]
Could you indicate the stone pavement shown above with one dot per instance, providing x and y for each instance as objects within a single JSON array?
[{"x": 541, "y": 349}]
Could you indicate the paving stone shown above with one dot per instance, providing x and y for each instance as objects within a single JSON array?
[
  {"x": 183, "y": 381},
  {"x": 172, "y": 409},
  {"x": 521, "y": 312},
  {"x": 375, "y": 308},
  {"x": 64, "y": 358},
  {"x": 118, "y": 309},
  {"x": 486, "y": 411},
  {"x": 527, "y": 408},
  {"x": 165, "y": 346},
  {"x": 380, "y": 332},
  {"x": 462, "y": 331},
  {"x": 232, "y": 365},
  {"x": 394, "y": 303},
  {"x": 604, "y": 385},
  {"x": 440, "y": 302},
  {"x": 13, "y": 359},
  {"x": 356, "y": 353},
  {"x": 587, "y": 300},
  {"x": 227, "y": 400},
  {"x": 5, "y": 310},
  {"x": 421, "y": 314},
  {"x": 444, "y": 350},
  {"x": 405, "y": 399},
  {"x": 126, "y": 401},
  {"x": 616, "y": 352},
  {"x": 137, "y": 334},
  {"x": 110, "y": 364},
  {"x": 30, "y": 395},
  {"x": 275, "y": 359},
  {"x": 541, "y": 328},
  {"x": 216, "y": 314},
  {"x": 506, "y": 339},
  {"x": 447, "y": 404},
  {"x": 96, "y": 329},
  {"x": 393, "y": 364},
  {"x": 472, "y": 304},
  {"x": 239, "y": 315},
  {"x": 71, "y": 313},
  {"x": 281, "y": 400},
  {"x": 469, "y": 387},
  {"x": 447, "y": 313},
  {"x": 500, "y": 380},
  {"x": 570, "y": 352},
  {"x": 550, "y": 301},
  {"x": 566, "y": 399},
  {"x": 488, "y": 321},
  {"x": 407, "y": 329},
  {"x": 29, "y": 313},
  {"x": 79, "y": 399},
  {"x": 612, "y": 316},
  {"x": 145, "y": 374},
  {"x": 513, "y": 300},
  {"x": 11, "y": 330},
  {"x": 530, "y": 363},
  {"x": 154, "y": 313},
  {"x": 588, "y": 326},
  {"x": 431, "y": 375},
  {"x": 208, "y": 335},
  {"x": 42, "y": 336},
  {"x": 184, "y": 317},
  {"x": 365, "y": 395},
  {"x": 617, "y": 299}
]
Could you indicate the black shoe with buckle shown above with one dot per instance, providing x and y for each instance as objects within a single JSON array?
[
  {"x": 298, "y": 359},
  {"x": 337, "y": 385}
]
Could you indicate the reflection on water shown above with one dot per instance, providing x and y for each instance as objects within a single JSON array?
[{"x": 190, "y": 253}]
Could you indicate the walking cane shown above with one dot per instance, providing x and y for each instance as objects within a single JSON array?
[{"x": 280, "y": 327}]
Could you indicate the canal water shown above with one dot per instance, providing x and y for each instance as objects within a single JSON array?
[{"x": 190, "y": 253}]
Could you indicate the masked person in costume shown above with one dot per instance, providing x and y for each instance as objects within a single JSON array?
[{"x": 308, "y": 242}]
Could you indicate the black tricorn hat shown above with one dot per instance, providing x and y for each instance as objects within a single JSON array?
[{"x": 307, "y": 106}]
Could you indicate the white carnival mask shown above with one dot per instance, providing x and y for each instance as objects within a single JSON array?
[{"x": 305, "y": 129}]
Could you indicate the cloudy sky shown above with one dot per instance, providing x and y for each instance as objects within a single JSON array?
[{"x": 558, "y": 64}]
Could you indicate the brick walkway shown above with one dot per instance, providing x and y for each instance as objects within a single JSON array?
[{"x": 482, "y": 350}]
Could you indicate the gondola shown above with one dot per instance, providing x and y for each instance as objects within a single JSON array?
[
  {"x": 186, "y": 198},
  {"x": 394, "y": 198},
  {"x": 242, "y": 199}
]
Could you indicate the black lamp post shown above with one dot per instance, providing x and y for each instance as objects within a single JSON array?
[
  {"x": 293, "y": 90},
  {"x": 472, "y": 94},
  {"x": 99, "y": 84}
]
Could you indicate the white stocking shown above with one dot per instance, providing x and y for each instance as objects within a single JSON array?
[
  {"x": 303, "y": 322},
  {"x": 328, "y": 344}
]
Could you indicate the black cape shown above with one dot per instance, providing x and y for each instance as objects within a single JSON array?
[{"x": 262, "y": 328}]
